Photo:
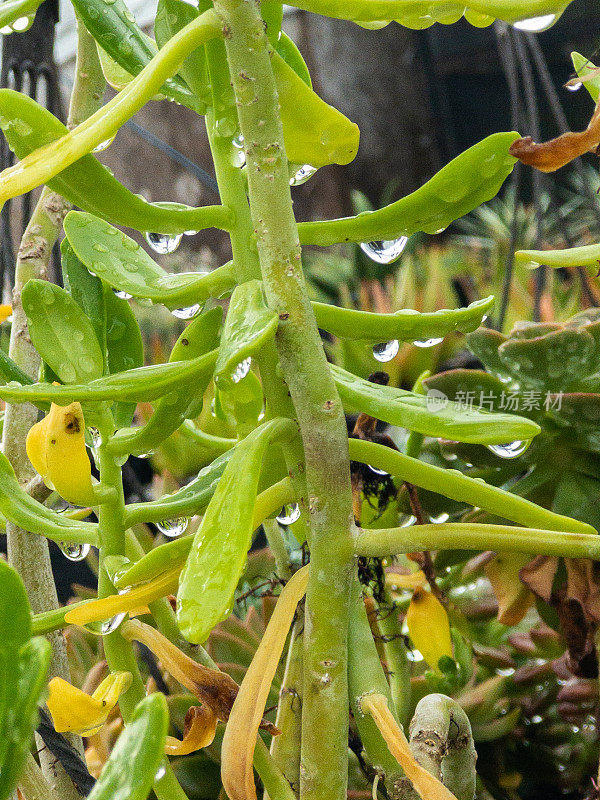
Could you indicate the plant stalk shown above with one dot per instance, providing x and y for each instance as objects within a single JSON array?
[{"x": 317, "y": 405}]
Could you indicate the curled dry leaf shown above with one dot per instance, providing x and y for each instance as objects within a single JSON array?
[
  {"x": 78, "y": 712},
  {"x": 514, "y": 598},
  {"x": 215, "y": 689},
  {"x": 237, "y": 752},
  {"x": 556, "y": 153},
  {"x": 198, "y": 732},
  {"x": 426, "y": 785}
]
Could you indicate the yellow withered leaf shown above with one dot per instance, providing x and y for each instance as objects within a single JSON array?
[
  {"x": 75, "y": 711},
  {"x": 514, "y": 598},
  {"x": 198, "y": 732},
  {"x": 426, "y": 785},
  {"x": 5, "y": 312},
  {"x": 237, "y": 751},
  {"x": 429, "y": 627},
  {"x": 108, "y": 607},
  {"x": 56, "y": 448}
]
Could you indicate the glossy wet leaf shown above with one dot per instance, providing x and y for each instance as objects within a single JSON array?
[
  {"x": 578, "y": 409},
  {"x": 121, "y": 262},
  {"x": 484, "y": 344},
  {"x": 198, "y": 338},
  {"x": 142, "y": 384},
  {"x": 12, "y": 10},
  {"x": 135, "y": 758},
  {"x": 113, "y": 26},
  {"x": 469, "y": 387},
  {"x": 87, "y": 291},
  {"x": 288, "y": 50},
  {"x": 248, "y": 325},
  {"x": 46, "y": 162},
  {"x": 553, "y": 361},
  {"x": 314, "y": 132},
  {"x": 472, "y": 178},
  {"x": 124, "y": 347},
  {"x": 583, "y": 67},
  {"x": 171, "y": 17},
  {"x": 61, "y": 332},
  {"x": 453, "y": 484},
  {"x": 418, "y": 15},
  {"x": 432, "y": 415},
  {"x": 23, "y": 666},
  {"x": 27, "y": 513},
  {"x": 87, "y": 183},
  {"x": 221, "y": 544},
  {"x": 429, "y": 628},
  {"x": 406, "y": 324}
]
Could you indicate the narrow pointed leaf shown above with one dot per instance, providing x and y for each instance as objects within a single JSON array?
[
  {"x": 469, "y": 180},
  {"x": 435, "y": 416},
  {"x": 121, "y": 262},
  {"x": 248, "y": 325},
  {"x": 586, "y": 256}
]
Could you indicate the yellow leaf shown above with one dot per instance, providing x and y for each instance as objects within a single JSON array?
[
  {"x": 400, "y": 580},
  {"x": 5, "y": 312},
  {"x": 74, "y": 710},
  {"x": 198, "y": 732},
  {"x": 425, "y": 784},
  {"x": 107, "y": 607},
  {"x": 514, "y": 598},
  {"x": 429, "y": 628},
  {"x": 237, "y": 751},
  {"x": 56, "y": 448}
]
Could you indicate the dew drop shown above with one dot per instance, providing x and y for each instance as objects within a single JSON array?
[
  {"x": 510, "y": 450},
  {"x": 289, "y": 514},
  {"x": 384, "y": 251},
  {"x": 87, "y": 364},
  {"x": 186, "y": 313},
  {"x": 378, "y": 471},
  {"x": 385, "y": 351},
  {"x": 242, "y": 369},
  {"x": 302, "y": 174},
  {"x": 190, "y": 233},
  {"x": 163, "y": 243},
  {"x": 238, "y": 156},
  {"x": 103, "y": 145},
  {"x": 160, "y": 772},
  {"x": 173, "y": 527},
  {"x": 95, "y": 437},
  {"x": 122, "y": 295},
  {"x": 21, "y": 24},
  {"x": 100, "y": 248},
  {"x": 111, "y": 625},
  {"x": 574, "y": 87},
  {"x": 428, "y": 342},
  {"x": 74, "y": 551},
  {"x": 535, "y": 24}
]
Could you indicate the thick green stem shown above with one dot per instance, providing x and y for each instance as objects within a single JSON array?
[
  {"x": 317, "y": 405},
  {"x": 89, "y": 84},
  {"x": 397, "y": 662},
  {"x": 119, "y": 652}
]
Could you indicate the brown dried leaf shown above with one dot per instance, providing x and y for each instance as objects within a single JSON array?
[{"x": 556, "y": 153}]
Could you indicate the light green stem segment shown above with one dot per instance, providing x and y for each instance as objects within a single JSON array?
[
  {"x": 398, "y": 665},
  {"x": 119, "y": 652},
  {"x": 317, "y": 405},
  {"x": 365, "y": 675},
  {"x": 476, "y": 536}
]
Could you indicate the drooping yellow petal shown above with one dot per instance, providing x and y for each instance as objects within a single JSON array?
[
  {"x": 74, "y": 710},
  {"x": 237, "y": 751},
  {"x": 56, "y": 448},
  {"x": 426, "y": 785},
  {"x": 5, "y": 312},
  {"x": 107, "y": 607},
  {"x": 198, "y": 732},
  {"x": 429, "y": 627},
  {"x": 514, "y": 598}
]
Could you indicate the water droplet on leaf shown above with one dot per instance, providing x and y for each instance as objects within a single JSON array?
[
  {"x": 111, "y": 625},
  {"x": 289, "y": 514},
  {"x": 173, "y": 527},
  {"x": 428, "y": 342},
  {"x": 302, "y": 174},
  {"x": 535, "y": 24},
  {"x": 103, "y": 145},
  {"x": 511, "y": 449},
  {"x": 163, "y": 243},
  {"x": 384, "y": 251},
  {"x": 385, "y": 351},
  {"x": 74, "y": 551},
  {"x": 95, "y": 437},
  {"x": 122, "y": 295},
  {"x": 186, "y": 313},
  {"x": 574, "y": 87},
  {"x": 242, "y": 369}
]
